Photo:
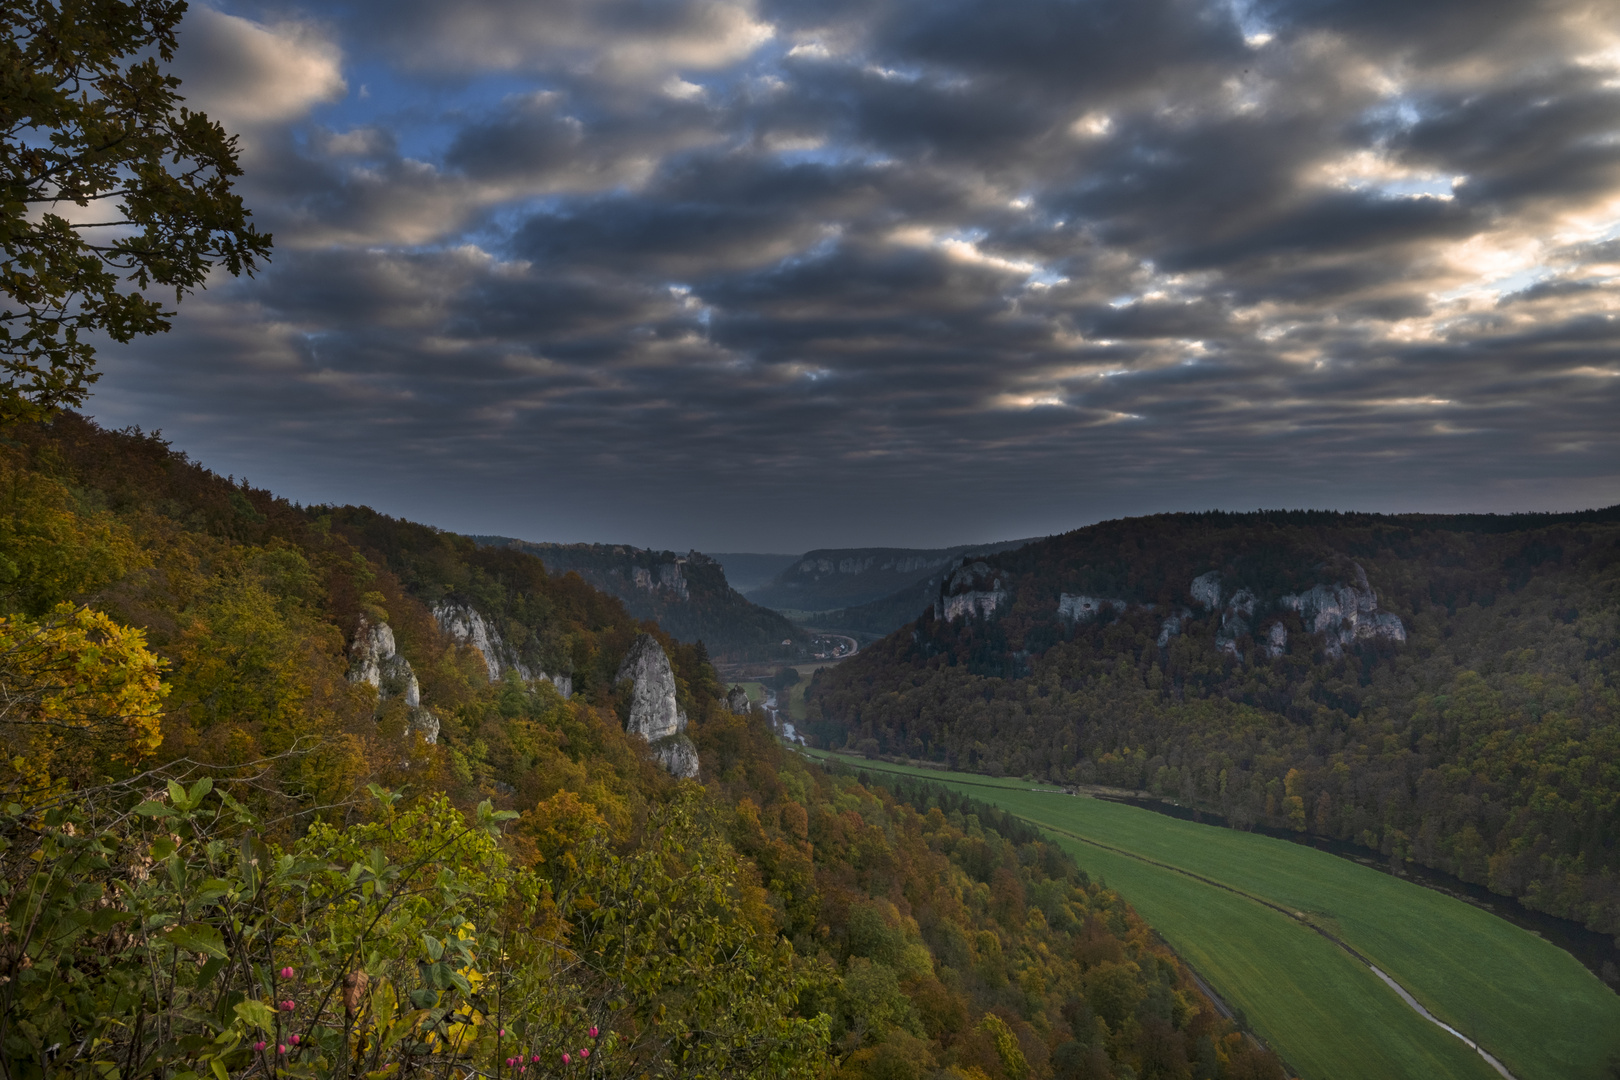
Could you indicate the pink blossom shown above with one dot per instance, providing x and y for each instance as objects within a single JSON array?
[
  {"x": 583, "y": 1054},
  {"x": 593, "y": 1031},
  {"x": 289, "y": 1006},
  {"x": 286, "y": 973},
  {"x": 259, "y": 1045},
  {"x": 535, "y": 1059},
  {"x": 282, "y": 1048},
  {"x": 296, "y": 1040},
  {"x": 567, "y": 1060}
]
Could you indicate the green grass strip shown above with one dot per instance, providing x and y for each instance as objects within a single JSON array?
[{"x": 1523, "y": 999}]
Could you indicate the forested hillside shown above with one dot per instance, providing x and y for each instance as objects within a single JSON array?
[
  {"x": 225, "y": 852},
  {"x": 831, "y": 578},
  {"x": 1442, "y": 689},
  {"x": 687, "y": 595}
]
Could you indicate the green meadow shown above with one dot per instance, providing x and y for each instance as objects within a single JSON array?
[{"x": 1528, "y": 1002}]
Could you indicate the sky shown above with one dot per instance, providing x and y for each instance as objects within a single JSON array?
[{"x": 752, "y": 276}]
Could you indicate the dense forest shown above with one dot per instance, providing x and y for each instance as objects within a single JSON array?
[
  {"x": 1442, "y": 689},
  {"x": 222, "y": 854}
]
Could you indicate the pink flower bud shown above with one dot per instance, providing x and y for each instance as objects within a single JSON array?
[
  {"x": 535, "y": 1059},
  {"x": 259, "y": 1045},
  {"x": 567, "y": 1060},
  {"x": 289, "y": 1006},
  {"x": 593, "y": 1031},
  {"x": 296, "y": 1040},
  {"x": 286, "y": 973},
  {"x": 583, "y": 1054},
  {"x": 281, "y": 1049}
]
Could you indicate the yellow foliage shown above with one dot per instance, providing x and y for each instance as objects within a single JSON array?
[
  {"x": 559, "y": 826},
  {"x": 78, "y": 673}
]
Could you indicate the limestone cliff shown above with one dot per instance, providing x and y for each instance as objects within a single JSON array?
[
  {"x": 654, "y": 713},
  {"x": 973, "y": 590},
  {"x": 375, "y": 659},
  {"x": 1345, "y": 613},
  {"x": 463, "y": 624},
  {"x": 737, "y": 701}
]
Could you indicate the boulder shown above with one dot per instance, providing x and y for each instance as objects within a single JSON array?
[{"x": 737, "y": 701}]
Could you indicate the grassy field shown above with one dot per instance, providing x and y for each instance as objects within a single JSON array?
[{"x": 1529, "y": 1003}]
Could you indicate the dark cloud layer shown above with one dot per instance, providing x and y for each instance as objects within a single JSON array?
[{"x": 754, "y": 275}]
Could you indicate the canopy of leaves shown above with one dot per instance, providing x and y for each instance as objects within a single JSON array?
[{"x": 108, "y": 186}]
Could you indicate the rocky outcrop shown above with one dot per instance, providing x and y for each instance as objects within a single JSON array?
[
  {"x": 1341, "y": 613},
  {"x": 654, "y": 713},
  {"x": 665, "y": 577},
  {"x": 1079, "y": 608},
  {"x": 737, "y": 701},
  {"x": 1276, "y": 643},
  {"x": 463, "y": 624},
  {"x": 1172, "y": 625},
  {"x": 1206, "y": 590},
  {"x": 973, "y": 590},
  {"x": 374, "y": 659},
  {"x": 1345, "y": 614}
]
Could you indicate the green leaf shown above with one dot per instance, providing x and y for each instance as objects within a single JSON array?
[
  {"x": 209, "y": 971},
  {"x": 154, "y": 810},
  {"x": 435, "y": 947},
  {"x": 256, "y": 1014},
  {"x": 199, "y": 938}
]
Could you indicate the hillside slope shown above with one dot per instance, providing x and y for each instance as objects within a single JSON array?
[
  {"x": 687, "y": 595},
  {"x": 747, "y": 570},
  {"x": 830, "y": 578},
  {"x": 1442, "y": 689},
  {"x": 769, "y": 920}
]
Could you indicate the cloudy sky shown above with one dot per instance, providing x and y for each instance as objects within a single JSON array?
[{"x": 745, "y": 275}]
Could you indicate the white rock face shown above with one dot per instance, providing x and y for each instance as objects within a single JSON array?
[
  {"x": 1079, "y": 608},
  {"x": 983, "y": 604},
  {"x": 971, "y": 590},
  {"x": 666, "y": 576},
  {"x": 1345, "y": 614},
  {"x": 1206, "y": 590},
  {"x": 737, "y": 701},
  {"x": 1276, "y": 640},
  {"x": 1172, "y": 625},
  {"x": 463, "y": 624},
  {"x": 374, "y": 659},
  {"x": 654, "y": 714}
]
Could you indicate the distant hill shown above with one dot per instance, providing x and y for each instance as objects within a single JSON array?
[
  {"x": 749, "y": 570},
  {"x": 686, "y": 594},
  {"x": 829, "y": 579},
  {"x": 1440, "y": 688}
]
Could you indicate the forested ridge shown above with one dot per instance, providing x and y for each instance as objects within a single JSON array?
[
  {"x": 1481, "y": 737},
  {"x": 220, "y": 856},
  {"x": 687, "y": 595}
]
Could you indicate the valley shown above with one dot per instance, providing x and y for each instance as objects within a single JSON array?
[{"x": 1215, "y": 895}]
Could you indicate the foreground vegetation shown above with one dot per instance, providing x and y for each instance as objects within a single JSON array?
[
  {"x": 330, "y": 894},
  {"x": 1529, "y": 1003}
]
